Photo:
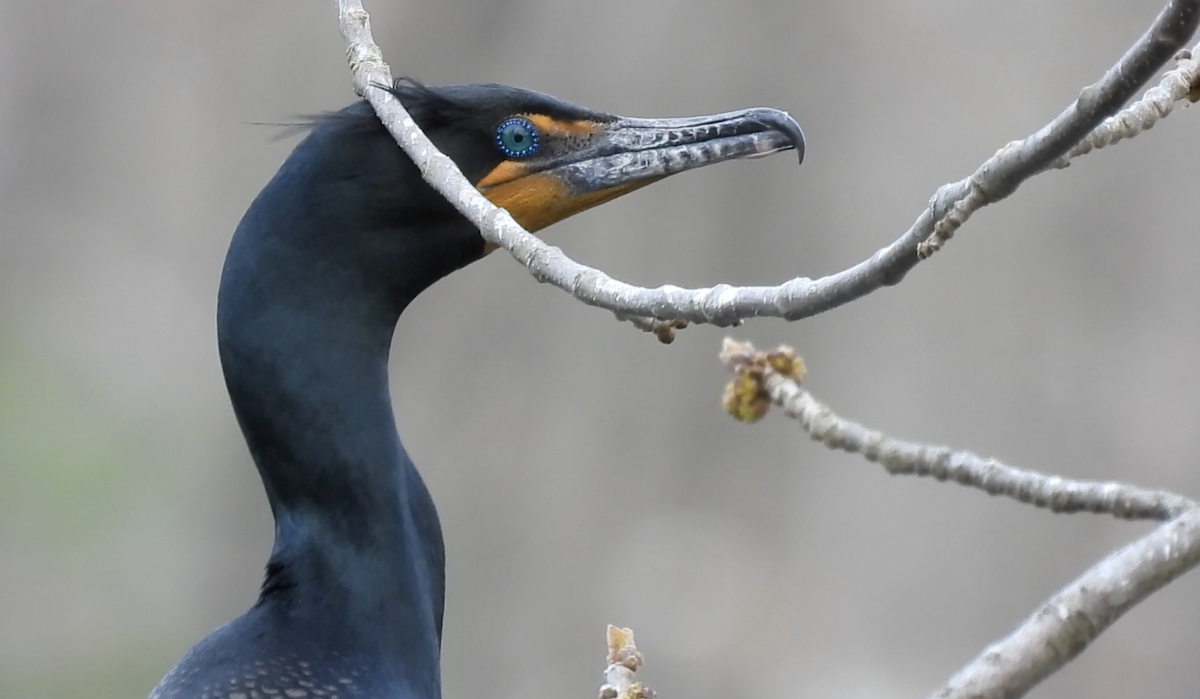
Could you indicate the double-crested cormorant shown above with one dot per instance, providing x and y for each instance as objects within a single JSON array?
[{"x": 326, "y": 258}]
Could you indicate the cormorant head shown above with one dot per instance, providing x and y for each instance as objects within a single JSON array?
[{"x": 543, "y": 159}]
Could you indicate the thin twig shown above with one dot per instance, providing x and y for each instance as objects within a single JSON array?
[
  {"x": 725, "y": 305},
  {"x": 1157, "y": 104},
  {"x": 898, "y": 457}
]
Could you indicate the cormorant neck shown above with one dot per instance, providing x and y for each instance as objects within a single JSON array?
[
  {"x": 358, "y": 548},
  {"x": 317, "y": 274}
]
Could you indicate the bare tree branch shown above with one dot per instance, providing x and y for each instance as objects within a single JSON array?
[
  {"x": 760, "y": 378},
  {"x": 1003, "y": 172},
  {"x": 1070, "y": 620},
  {"x": 725, "y": 305}
]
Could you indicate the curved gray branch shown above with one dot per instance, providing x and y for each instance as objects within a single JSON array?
[
  {"x": 1069, "y": 621},
  {"x": 725, "y": 305}
]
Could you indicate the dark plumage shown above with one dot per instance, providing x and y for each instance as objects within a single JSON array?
[{"x": 318, "y": 272}]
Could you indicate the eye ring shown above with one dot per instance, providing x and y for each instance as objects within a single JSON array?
[{"x": 517, "y": 137}]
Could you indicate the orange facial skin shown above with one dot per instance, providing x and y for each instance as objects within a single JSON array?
[{"x": 538, "y": 199}]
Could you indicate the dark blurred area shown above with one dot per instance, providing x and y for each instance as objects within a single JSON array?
[{"x": 586, "y": 474}]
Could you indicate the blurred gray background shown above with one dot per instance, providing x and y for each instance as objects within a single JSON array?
[{"x": 584, "y": 473}]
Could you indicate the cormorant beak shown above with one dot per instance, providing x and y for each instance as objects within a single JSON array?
[{"x": 581, "y": 164}]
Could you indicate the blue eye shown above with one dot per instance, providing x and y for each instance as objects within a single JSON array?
[{"x": 517, "y": 138}]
